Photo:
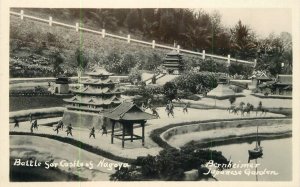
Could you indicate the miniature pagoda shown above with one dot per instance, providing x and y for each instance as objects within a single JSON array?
[
  {"x": 97, "y": 95},
  {"x": 61, "y": 85},
  {"x": 173, "y": 63}
]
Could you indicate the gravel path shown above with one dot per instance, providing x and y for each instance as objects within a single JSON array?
[{"x": 135, "y": 148}]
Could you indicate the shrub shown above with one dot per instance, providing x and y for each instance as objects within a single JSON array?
[
  {"x": 240, "y": 69},
  {"x": 170, "y": 90},
  {"x": 211, "y": 65},
  {"x": 135, "y": 75},
  {"x": 148, "y": 166},
  {"x": 236, "y": 89},
  {"x": 232, "y": 99},
  {"x": 126, "y": 174},
  {"x": 196, "y": 82}
]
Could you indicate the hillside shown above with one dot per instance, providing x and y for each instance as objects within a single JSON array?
[
  {"x": 35, "y": 48},
  {"x": 35, "y": 41}
]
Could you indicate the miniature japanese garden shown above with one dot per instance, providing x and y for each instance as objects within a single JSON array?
[{"x": 161, "y": 111}]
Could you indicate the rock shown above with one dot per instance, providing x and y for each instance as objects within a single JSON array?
[{"x": 191, "y": 175}]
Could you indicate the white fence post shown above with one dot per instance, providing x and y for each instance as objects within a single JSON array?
[
  {"x": 178, "y": 48},
  {"x": 255, "y": 61},
  {"x": 50, "y": 20},
  {"x": 128, "y": 38},
  {"x": 203, "y": 55},
  {"x": 22, "y": 14},
  {"x": 228, "y": 60},
  {"x": 77, "y": 27},
  {"x": 153, "y": 44},
  {"x": 103, "y": 33}
]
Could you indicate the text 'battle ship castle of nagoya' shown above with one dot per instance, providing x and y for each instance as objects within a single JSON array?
[{"x": 98, "y": 94}]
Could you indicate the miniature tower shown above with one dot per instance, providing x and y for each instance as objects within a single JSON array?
[
  {"x": 98, "y": 94},
  {"x": 173, "y": 63}
]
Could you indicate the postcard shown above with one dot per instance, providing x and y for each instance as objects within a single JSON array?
[{"x": 201, "y": 93}]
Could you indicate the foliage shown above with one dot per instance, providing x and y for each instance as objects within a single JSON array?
[
  {"x": 192, "y": 29},
  {"x": 35, "y": 91},
  {"x": 240, "y": 69},
  {"x": 81, "y": 59},
  {"x": 213, "y": 66},
  {"x": 170, "y": 90},
  {"x": 133, "y": 20},
  {"x": 232, "y": 99},
  {"x": 242, "y": 41},
  {"x": 196, "y": 82},
  {"x": 134, "y": 76},
  {"x": 57, "y": 60},
  {"x": 171, "y": 163},
  {"x": 274, "y": 50},
  {"x": 126, "y": 174},
  {"x": 148, "y": 166}
]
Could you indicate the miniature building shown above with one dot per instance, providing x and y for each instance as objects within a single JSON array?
[
  {"x": 97, "y": 95},
  {"x": 222, "y": 91},
  {"x": 266, "y": 87},
  {"x": 284, "y": 85},
  {"x": 127, "y": 114},
  {"x": 173, "y": 63},
  {"x": 260, "y": 79},
  {"x": 61, "y": 85}
]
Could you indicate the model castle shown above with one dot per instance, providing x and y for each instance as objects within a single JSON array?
[{"x": 98, "y": 94}]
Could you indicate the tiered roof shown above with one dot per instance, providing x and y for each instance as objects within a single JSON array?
[
  {"x": 99, "y": 72},
  {"x": 284, "y": 80},
  {"x": 97, "y": 91},
  {"x": 62, "y": 79},
  {"x": 129, "y": 112},
  {"x": 173, "y": 61},
  {"x": 97, "y": 94}
]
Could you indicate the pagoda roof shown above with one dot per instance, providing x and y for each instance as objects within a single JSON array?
[
  {"x": 97, "y": 81},
  {"x": 284, "y": 80},
  {"x": 84, "y": 108},
  {"x": 91, "y": 90},
  {"x": 99, "y": 72},
  {"x": 128, "y": 111},
  {"x": 220, "y": 91},
  {"x": 174, "y": 53},
  {"x": 93, "y": 100}
]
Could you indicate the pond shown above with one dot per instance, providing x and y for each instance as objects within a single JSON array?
[
  {"x": 44, "y": 150},
  {"x": 33, "y": 102},
  {"x": 274, "y": 165}
]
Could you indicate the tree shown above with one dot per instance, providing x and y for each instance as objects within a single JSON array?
[
  {"x": 104, "y": 17},
  {"x": 273, "y": 51},
  {"x": 170, "y": 90},
  {"x": 243, "y": 41},
  {"x": 135, "y": 75},
  {"x": 133, "y": 20},
  {"x": 81, "y": 59},
  {"x": 57, "y": 60},
  {"x": 232, "y": 99},
  {"x": 240, "y": 69},
  {"x": 196, "y": 82}
]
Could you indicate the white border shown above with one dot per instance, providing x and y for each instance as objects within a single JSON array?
[{"x": 4, "y": 74}]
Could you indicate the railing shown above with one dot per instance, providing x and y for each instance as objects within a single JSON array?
[{"x": 50, "y": 21}]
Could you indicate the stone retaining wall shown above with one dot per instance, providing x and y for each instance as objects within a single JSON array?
[{"x": 221, "y": 125}]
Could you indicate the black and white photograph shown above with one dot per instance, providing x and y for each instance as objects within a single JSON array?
[{"x": 202, "y": 94}]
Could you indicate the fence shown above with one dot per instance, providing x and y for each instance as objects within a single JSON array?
[{"x": 153, "y": 44}]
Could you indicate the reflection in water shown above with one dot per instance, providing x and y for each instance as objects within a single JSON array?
[
  {"x": 251, "y": 157},
  {"x": 274, "y": 165}
]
